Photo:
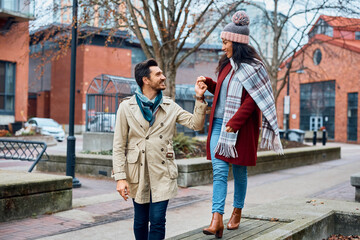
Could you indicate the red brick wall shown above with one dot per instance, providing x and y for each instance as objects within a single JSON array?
[
  {"x": 32, "y": 105},
  {"x": 344, "y": 34},
  {"x": 337, "y": 64},
  {"x": 91, "y": 62},
  {"x": 14, "y": 47},
  {"x": 43, "y": 104}
]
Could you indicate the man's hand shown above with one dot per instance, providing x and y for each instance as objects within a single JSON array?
[
  {"x": 122, "y": 187},
  {"x": 200, "y": 86}
]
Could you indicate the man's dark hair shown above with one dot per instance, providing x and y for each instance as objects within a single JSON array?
[{"x": 143, "y": 70}]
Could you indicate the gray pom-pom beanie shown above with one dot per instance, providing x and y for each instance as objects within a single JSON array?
[{"x": 238, "y": 29}]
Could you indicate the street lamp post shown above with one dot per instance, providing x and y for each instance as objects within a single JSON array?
[
  {"x": 70, "y": 157},
  {"x": 287, "y": 103},
  {"x": 287, "y": 97}
]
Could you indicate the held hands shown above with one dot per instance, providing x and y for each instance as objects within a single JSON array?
[
  {"x": 122, "y": 187},
  {"x": 200, "y": 86}
]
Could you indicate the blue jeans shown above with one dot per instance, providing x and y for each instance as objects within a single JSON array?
[
  {"x": 153, "y": 212},
  {"x": 220, "y": 175}
]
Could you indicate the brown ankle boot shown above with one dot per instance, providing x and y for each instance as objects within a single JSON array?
[
  {"x": 234, "y": 221},
  {"x": 216, "y": 226}
]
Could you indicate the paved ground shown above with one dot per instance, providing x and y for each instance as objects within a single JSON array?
[{"x": 99, "y": 212}]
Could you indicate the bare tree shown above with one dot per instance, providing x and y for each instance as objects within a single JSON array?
[
  {"x": 169, "y": 25},
  {"x": 163, "y": 28},
  {"x": 280, "y": 21}
]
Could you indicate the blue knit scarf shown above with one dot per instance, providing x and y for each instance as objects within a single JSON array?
[{"x": 148, "y": 107}]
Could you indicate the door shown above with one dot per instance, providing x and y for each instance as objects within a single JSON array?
[{"x": 316, "y": 122}]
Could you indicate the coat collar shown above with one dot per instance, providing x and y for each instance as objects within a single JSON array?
[
  {"x": 160, "y": 115},
  {"x": 137, "y": 114}
]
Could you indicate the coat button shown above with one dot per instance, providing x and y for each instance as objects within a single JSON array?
[
  {"x": 163, "y": 162},
  {"x": 147, "y": 138},
  {"x": 162, "y": 124},
  {"x": 162, "y": 149},
  {"x": 160, "y": 136},
  {"x": 143, "y": 151},
  {"x": 141, "y": 164}
]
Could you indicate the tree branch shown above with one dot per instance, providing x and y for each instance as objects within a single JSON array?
[{"x": 188, "y": 53}]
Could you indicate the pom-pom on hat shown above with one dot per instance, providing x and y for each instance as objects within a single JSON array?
[{"x": 238, "y": 29}]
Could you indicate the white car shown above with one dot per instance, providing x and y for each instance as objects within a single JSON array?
[
  {"x": 102, "y": 122},
  {"x": 47, "y": 126}
]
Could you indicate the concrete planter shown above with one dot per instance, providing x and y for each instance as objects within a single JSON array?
[
  {"x": 88, "y": 164},
  {"x": 24, "y": 194},
  {"x": 97, "y": 141},
  {"x": 198, "y": 171},
  {"x": 193, "y": 172}
]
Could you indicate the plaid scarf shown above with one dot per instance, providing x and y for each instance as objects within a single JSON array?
[
  {"x": 148, "y": 107},
  {"x": 257, "y": 83}
]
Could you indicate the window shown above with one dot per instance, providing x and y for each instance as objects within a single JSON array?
[
  {"x": 10, "y": 5},
  {"x": 317, "y": 106},
  {"x": 65, "y": 17},
  {"x": 317, "y": 57},
  {"x": 352, "y": 116},
  {"x": 321, "y": 27},
  {"x": 357, "y": 35},
  {"x": 7, "y": 87}
]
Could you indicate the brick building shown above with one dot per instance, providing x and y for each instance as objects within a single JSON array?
[
  {"x": 49, "y": 80},
  {"x": 324, "y": 81},
  {"x": 14, "y": 60}
]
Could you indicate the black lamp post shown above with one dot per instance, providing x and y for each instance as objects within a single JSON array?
[
  {"x": 70, "y": 158},
  {"x": 287, "y": 101},
  {"x": 287, "y": 94}
]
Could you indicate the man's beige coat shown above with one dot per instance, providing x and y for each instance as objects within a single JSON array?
[{"x": 144, "y": 156}]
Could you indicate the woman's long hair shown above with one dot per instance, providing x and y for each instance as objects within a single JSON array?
[{"x": 242, "y": 53}]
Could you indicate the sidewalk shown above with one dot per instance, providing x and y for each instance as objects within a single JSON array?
[{"x": 99, "y": 212}]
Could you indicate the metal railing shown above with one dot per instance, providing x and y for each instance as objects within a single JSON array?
[{"x": 23, "y": 150}]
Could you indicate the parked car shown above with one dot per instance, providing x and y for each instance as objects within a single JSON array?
[
  {"x": 102, "y": 122},
  {"x": 47, "y": 126}
]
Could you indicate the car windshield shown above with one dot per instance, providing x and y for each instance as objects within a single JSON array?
[{"x": 46, "y": 123}]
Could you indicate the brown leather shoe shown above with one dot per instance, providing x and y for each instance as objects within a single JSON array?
[
  {"x": 216, "y": 226},
  {"x": 234, "y": 221}
]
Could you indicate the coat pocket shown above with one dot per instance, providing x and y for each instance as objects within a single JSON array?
[
  {"x": 132, "y": 159},
  {"x": 172, "y": 167}
]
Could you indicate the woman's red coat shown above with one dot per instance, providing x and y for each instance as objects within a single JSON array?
[{"x": 246, "y": 120}]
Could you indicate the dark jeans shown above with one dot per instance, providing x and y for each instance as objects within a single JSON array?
[{"x": 153, "y": 212}]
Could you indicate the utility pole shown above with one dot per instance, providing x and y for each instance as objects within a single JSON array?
[{"x": 70, "y": 157}]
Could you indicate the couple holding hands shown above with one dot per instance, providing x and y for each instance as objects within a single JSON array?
[{"x": 143, "y": 155}]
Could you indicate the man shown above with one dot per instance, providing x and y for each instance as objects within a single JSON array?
[{"x": 143, "y": 155}]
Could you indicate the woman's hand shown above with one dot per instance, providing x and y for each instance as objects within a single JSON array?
[
  {"x": 229, "y": 129},
  {"x": 200, "y": 88},
  {"x": 200, "y": 79}
]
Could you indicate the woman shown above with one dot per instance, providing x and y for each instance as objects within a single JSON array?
[{"x": 241, "y": 92}]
